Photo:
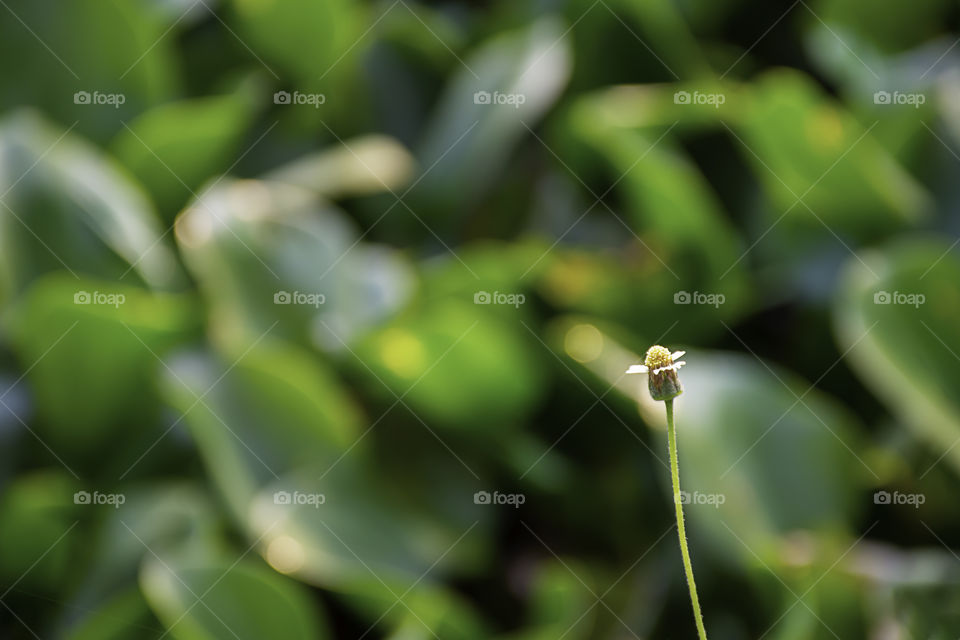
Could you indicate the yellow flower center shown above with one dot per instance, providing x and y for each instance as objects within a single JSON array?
[{"x": 657, "y": 358}]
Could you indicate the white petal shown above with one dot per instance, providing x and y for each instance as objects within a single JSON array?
[
  {"x": 637, "y": 368},
  {"x": 677, "y": 354},
  {"x": 677, "y": 365}
]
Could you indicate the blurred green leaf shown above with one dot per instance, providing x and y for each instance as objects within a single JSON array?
[
  {"x": 277, "y": 423},
  {"x": 432, "y": 612},
  {"x": 652, "y": 108},
  {"x": 124, "y": 617},
  {"x": 896, "y": 314},
  {"x": 887, "y": 25},
  {"x": 173, "y": 148},
  {"x": 265, "y": 411},
  {"x": 367, "y": 165},
  {"x": 448, "y": 359},
  {"x": 90, "y": 349},
  {"x": 317, "y": 36},
  {"x": 218, "y": 600},
  {"x": 559, "y": 605},
  {"x": 266, "y": 254},
  {"x": 154, "y": 518},
  {"x": 666, "y": 29},
  {"x": 804, "y": 146},
  {"x": 134, "y": 57},
  {"x": 928, "y": 612},
  {"x": 366, "y": 537},
  {"x": 67, "y": 206},
  {"x": 469, "y": 140},
  {"x": 38, "y": 532},
  {"x": 678, "y": 224}
]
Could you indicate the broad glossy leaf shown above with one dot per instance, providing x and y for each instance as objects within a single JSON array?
[
  {"x": 654, "y": 107},
  {"x": 282, "y": 445},
  {"x": 469, "y": 139},
  {"x": 318, "y": 37},
  {"x": 663, "y": 24},
  {"x": 152, "y": 519},
  {"x": 173, "y": 148},
  {"x": 220, "y": 599},
  {"x": 67, "y": 206},
  {"x": 272, "y": 256},
  {"x": 267, "y": 409},
  {"x": 91, "y": 349},
  {"x": 803, "y": 145},
  {"x": 371, "y": 164},
  {"x": 124, "y": 617},
  {"x": 363, "y": 535},
  {"x": 459, "y": 363},
  {"x": 277, "y": 422},
  {"x": 887, "y": 26},
  {"x": 559, "y": 605},
  {"x": 685, "y": 243},
  {"x": 134, "y": 58},
  {"x": 432, "y": 612},
  {"x": 38, "y": 532},
  {"x": 896, "y": 312}
]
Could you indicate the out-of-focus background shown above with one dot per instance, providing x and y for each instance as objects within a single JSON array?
[{"x": 314, "y": 317}]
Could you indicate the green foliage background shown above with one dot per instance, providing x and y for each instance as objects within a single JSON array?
[{"x": 245, "y": 247}]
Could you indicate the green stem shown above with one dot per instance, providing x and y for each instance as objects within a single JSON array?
[{"x": 675, "y": 473}]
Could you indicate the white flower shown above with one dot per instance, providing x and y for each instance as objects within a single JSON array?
[
  {"x": 674, "y": 364},
  {"x": 662, "y": 367}
]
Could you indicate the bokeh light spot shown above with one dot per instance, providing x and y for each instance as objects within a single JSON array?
[
  {"x": 583, "y": 343},
  {"x": 285, "y": 554},
  {"x": 403, "y": 353}
]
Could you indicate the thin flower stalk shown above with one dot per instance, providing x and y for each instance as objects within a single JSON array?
[{"x": 661, "y": 367}]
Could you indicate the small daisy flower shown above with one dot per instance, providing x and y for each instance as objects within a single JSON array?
[{"x": 661, "y": 367}]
